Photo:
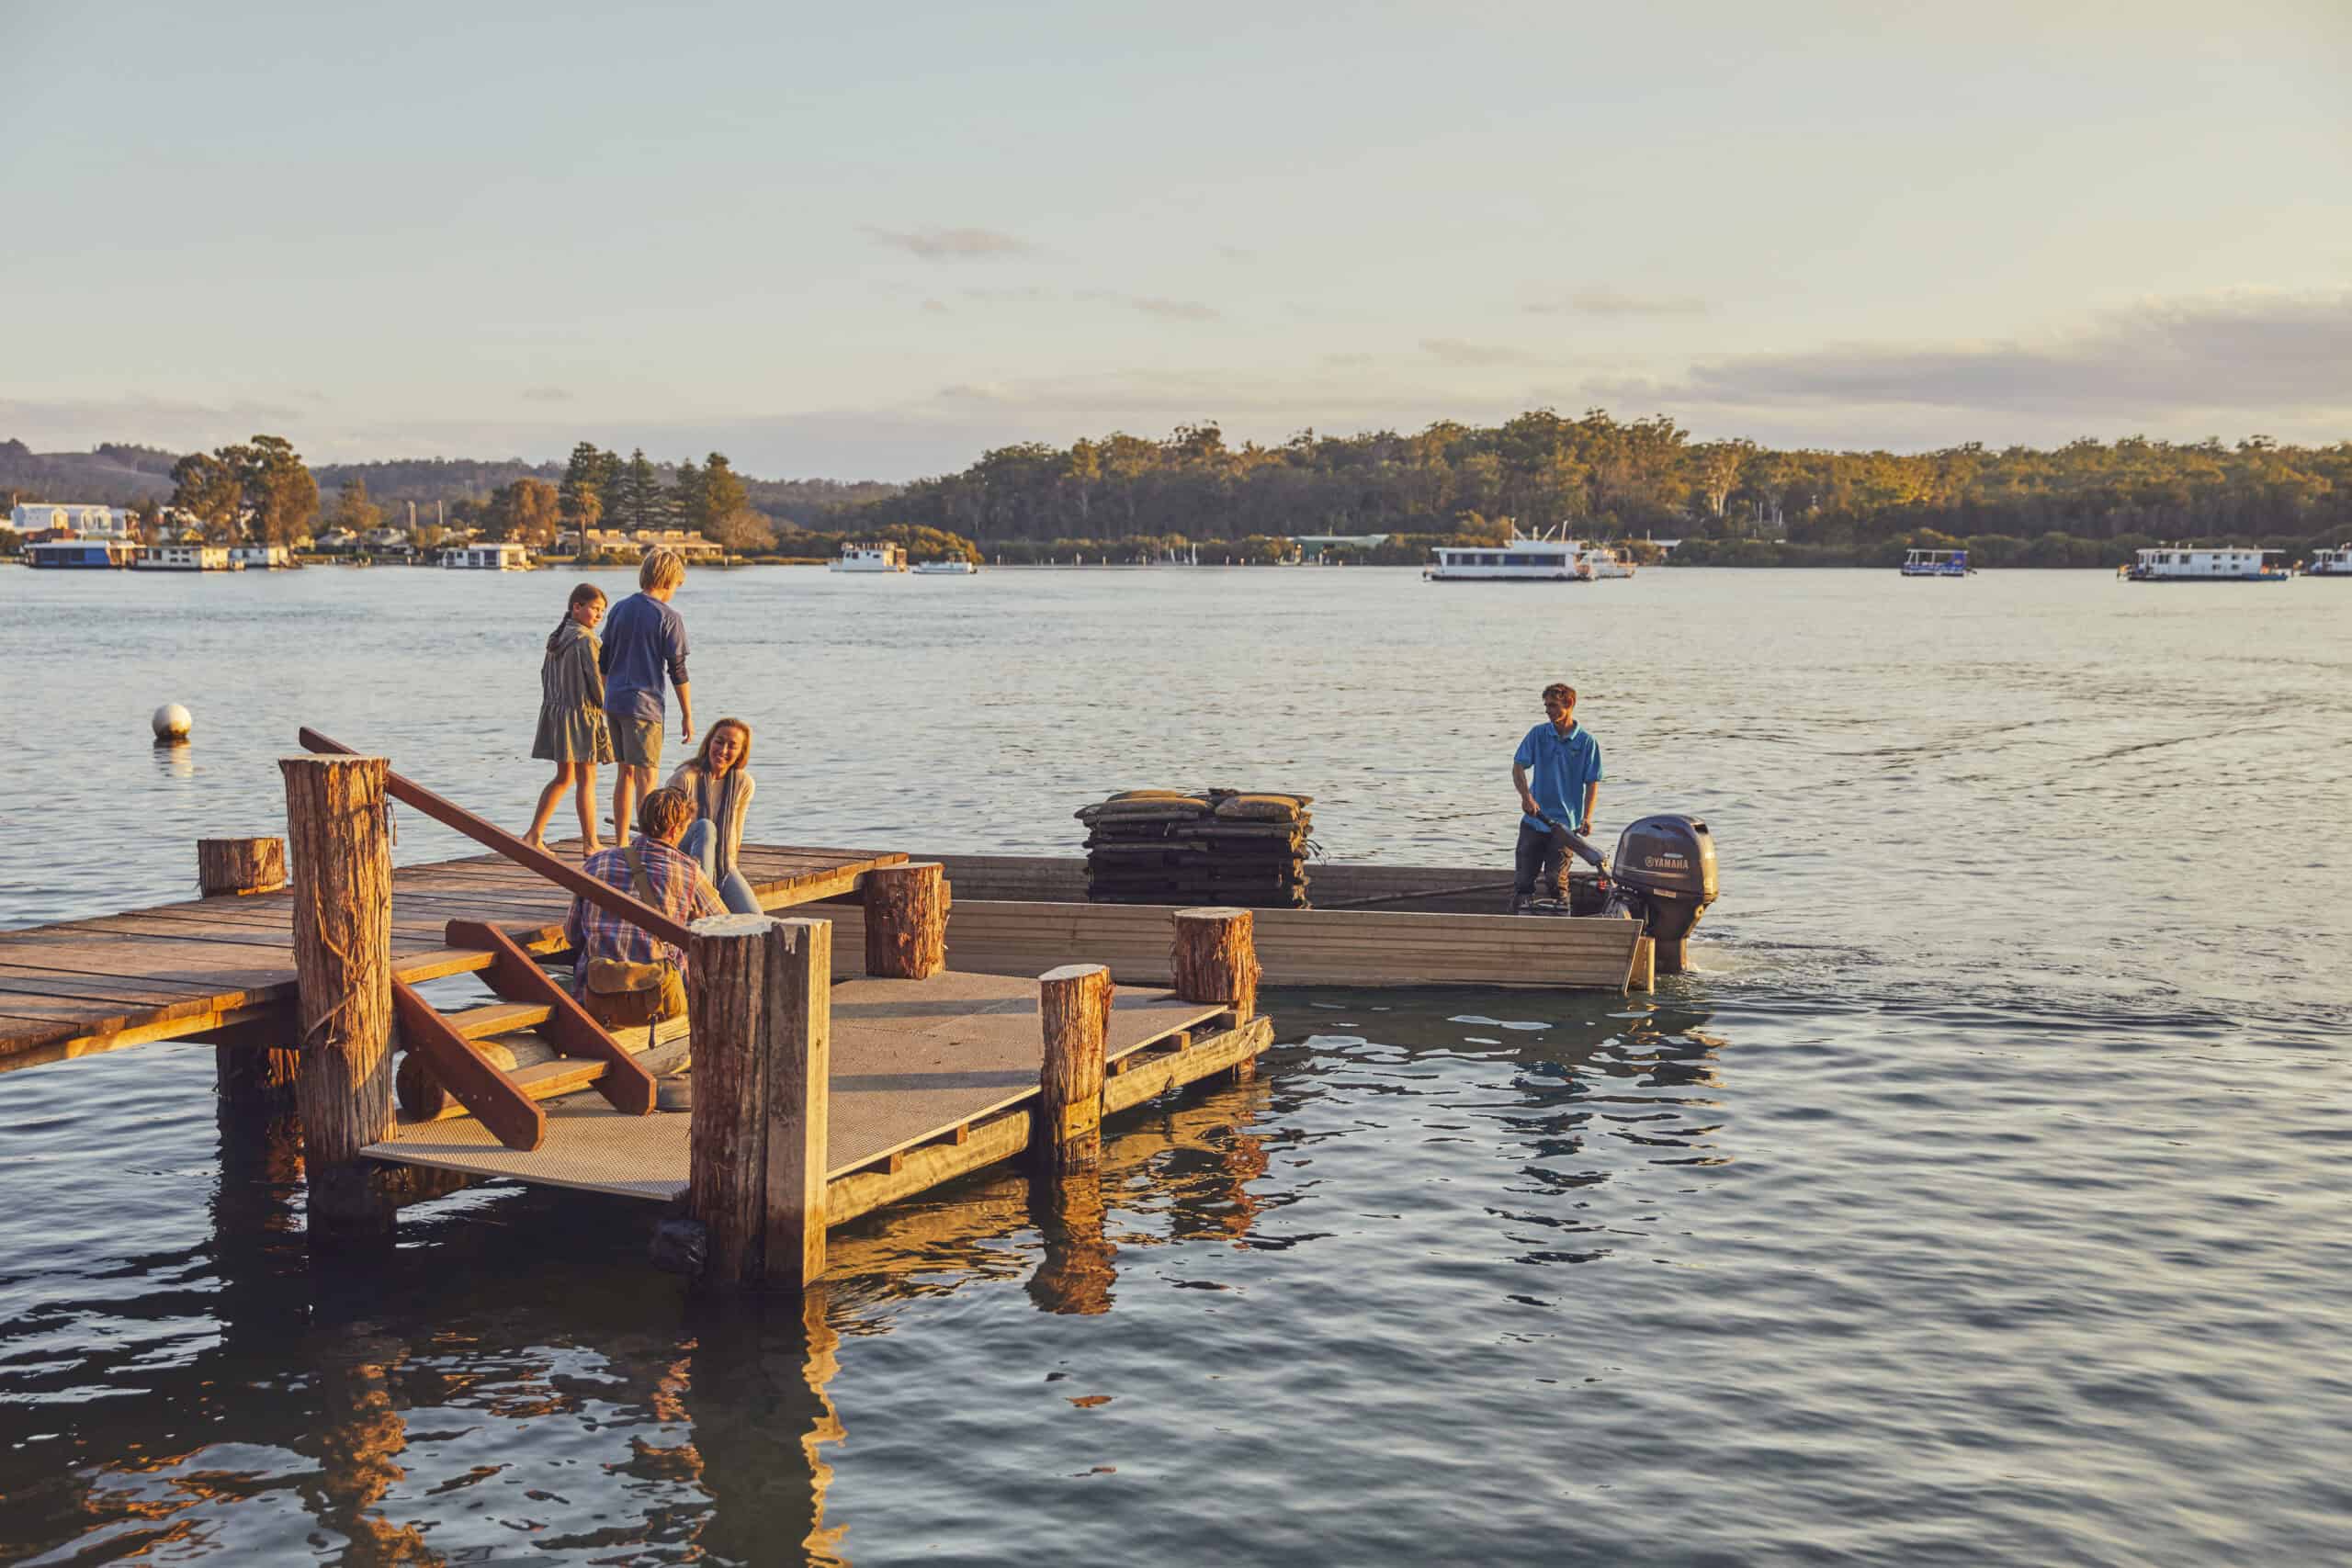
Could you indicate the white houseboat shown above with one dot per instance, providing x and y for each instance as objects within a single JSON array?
[
  {"x": 503, "y": 555},
  {"x": 1936, "y": 563},
  {"x": 958, "y": 567},
  {"x": 2170, "y": 563},
  {"x": 871, "y": 558},
  {"x": 2336, "y": 562},
  {"x": 1549, "y": 556},
  {"x": 186, "y": 557},
  {"x": 90, "y": 555},
  {"x": 261, "y": 557}
]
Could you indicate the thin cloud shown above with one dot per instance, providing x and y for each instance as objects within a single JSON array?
[
  {"x": 546, "y": 395},
  {"x": 2263, "y": 354},
  {"x": 1174, "y": 310},
  {"x": 953, "y": 245},
  {"x": 1460, "y": 352},
  {"x": 1236, "y": 254},
  {"x": 1166, "y": 309},
  {"x": 1613, "y": 302}
]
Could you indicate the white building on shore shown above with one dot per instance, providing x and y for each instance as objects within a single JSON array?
[{"x": 73, "y": 520}]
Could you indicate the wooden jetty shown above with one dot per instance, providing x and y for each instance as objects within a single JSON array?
[{"x": 839, "y": 1066}]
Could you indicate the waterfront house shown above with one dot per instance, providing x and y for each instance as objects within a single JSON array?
[
  {"x": 73, "y": 520},
  {"x": 628, "y": 546}
]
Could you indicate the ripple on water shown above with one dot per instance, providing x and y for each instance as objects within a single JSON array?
[{"x": 1980, "y": 1201}]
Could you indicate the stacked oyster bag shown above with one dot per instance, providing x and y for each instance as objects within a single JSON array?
[{"x": 1218, "y": 846}]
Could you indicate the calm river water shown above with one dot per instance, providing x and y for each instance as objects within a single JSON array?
[{"x": 1984, "y": 1199}]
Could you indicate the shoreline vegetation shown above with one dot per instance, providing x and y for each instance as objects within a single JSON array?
[{"x": 1125, "y": 499}]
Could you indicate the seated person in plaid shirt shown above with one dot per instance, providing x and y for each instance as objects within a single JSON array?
[{"x": 679, "y": 889}]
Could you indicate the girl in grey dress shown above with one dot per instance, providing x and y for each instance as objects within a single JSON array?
[{"x": 573, "y": 734}]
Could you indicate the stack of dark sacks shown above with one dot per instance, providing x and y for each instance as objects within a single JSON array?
[{"x": 1217, "y": 846}]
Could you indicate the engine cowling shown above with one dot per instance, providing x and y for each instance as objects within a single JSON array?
[{"x": 1664, "y": 871}]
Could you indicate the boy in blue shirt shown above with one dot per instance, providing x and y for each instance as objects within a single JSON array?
[
  {"x": 645, "y": 643},
  {"x": 1557, "y": 772}
]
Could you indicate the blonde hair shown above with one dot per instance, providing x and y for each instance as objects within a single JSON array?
[
  {"x": 702, "y": 757},
  {"x": 662, "y": 568},
  {"x": 664, "y": 813}
]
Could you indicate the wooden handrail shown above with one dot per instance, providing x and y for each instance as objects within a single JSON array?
[{"x": 450, "y": 813}]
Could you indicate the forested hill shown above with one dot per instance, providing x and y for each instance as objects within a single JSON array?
[
  {"x": 1736, "y": 502},
  {"x": 114, "y": 472},
  {"x": 2087, "y": 502}
]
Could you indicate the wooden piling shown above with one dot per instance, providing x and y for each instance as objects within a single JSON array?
[
  {"x": 1216, "y": 960},
  {"x": 1074, "y": 1002},
  {"x": 758, "y": 996},
  {"x": 906, "y": 920},
  {"x": 240, "y": 865},
  {"x": 342, "y": 937},
  {"x": 259, "y": 1077}
]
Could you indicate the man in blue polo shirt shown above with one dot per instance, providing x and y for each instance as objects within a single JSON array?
[{"x": 1557, "y": 771}]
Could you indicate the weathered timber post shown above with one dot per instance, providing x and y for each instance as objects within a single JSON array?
[
  {"x": 260, "y": 1075},
  {"x": 1074, "y": 1002},
  {"x": 1216, "y": 960},
  {"x": 240, "y": 865},
  {"x": 906, "y": 920},
  {"x": 759, "y": 997},
  {"x": 342, "y": 961}
]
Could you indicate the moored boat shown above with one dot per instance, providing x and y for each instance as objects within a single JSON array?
[
  {"x": 2171, "y": 563},
  {"x": 185, "y": 558},
  {"x": 871, "y": 558},
  {"x": 1549, "y": 556},
  {"x": 1936, "y": 563},
  {"x": 945, "y": 568},
  {"x": 86, "y": 554},
  {"x": 498, "y": 555},
  {"x": 1601, "y": 561},
  {"x": 2336, "y": 562}
]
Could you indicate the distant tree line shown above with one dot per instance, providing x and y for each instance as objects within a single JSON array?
[
  {"x": 1736, "y": 503},
  {"x": 1733, "y": 503}
]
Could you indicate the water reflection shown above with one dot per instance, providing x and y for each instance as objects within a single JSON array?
[
  {"x": 176, "y": 762},
  {"x": 442, "y": 1403}
]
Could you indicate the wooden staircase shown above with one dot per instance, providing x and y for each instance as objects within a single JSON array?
[{"x": 497, "y": 1061}]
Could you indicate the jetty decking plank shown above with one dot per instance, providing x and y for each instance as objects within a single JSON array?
[
  {"x": 135, "y": 972},
  {"x": 912, "y": 1061}
]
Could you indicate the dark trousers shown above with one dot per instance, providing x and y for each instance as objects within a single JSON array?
[{"x": 1540, "y": 852}]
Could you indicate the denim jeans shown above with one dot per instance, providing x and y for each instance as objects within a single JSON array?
[{"x": 734, "y": 891}]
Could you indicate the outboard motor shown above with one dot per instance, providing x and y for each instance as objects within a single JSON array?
[{"x": 1664, "y": 877}]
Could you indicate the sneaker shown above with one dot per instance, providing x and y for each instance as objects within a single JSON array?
[
  {"x": 1550, "y": 907},
  {"x": 1521, "y": 904}
]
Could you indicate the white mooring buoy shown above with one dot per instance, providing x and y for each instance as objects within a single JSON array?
[{"x": 172, "y": 724}]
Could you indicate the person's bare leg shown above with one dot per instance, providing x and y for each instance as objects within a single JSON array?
[
  {"x": 536, "y": 837},
  {"x": 625, "y": 792},
  {"x": 585, "y": 799}
]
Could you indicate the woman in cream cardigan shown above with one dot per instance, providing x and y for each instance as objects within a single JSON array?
[{"x": 718, "y": 778}]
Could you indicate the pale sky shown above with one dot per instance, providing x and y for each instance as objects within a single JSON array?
[{"x": 871, "y": 241}]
